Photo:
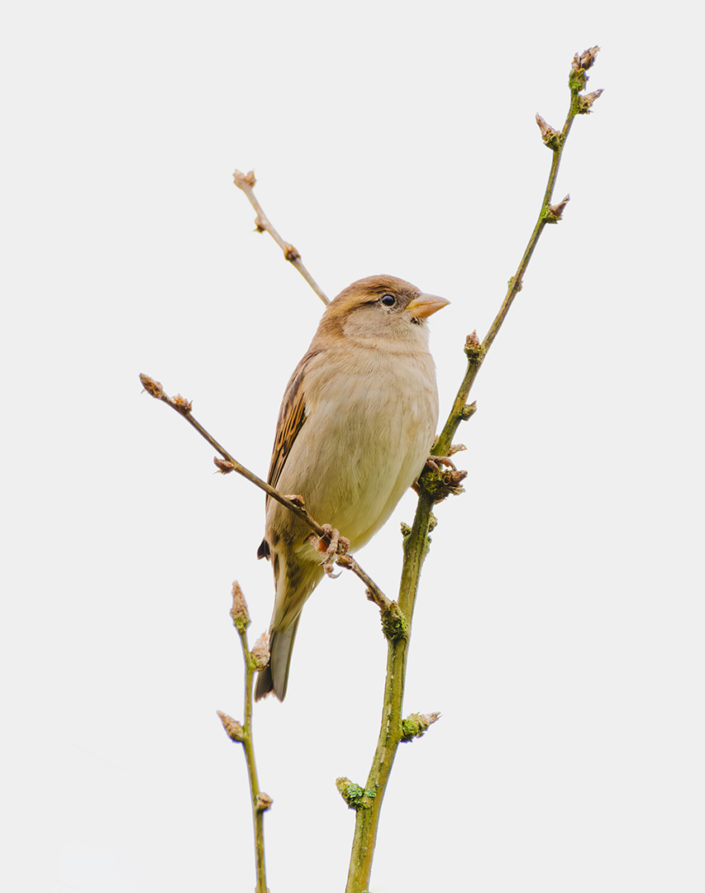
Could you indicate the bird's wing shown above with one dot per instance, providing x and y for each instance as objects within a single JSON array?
[{"x": 292, "y": 415}]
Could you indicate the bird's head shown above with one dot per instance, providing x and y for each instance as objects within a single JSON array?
[{"x": 383, "y": 310}]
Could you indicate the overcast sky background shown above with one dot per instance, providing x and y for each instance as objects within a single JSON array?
[{"x": 559, "y": 627}]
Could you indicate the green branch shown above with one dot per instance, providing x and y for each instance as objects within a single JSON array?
[
  {"x": 254, "y": 660},
  {"x": 416, "y": 540}
]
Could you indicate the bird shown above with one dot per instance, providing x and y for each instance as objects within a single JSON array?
[{"x": 355, "y": 428}]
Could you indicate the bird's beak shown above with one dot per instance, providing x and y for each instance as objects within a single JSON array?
[{"x": 425, "y": 305}]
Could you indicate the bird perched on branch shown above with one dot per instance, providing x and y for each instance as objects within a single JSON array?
[{"x": 355, "y": 428}]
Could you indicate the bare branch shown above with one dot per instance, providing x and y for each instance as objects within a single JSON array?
[
  {"x": 246, "y": 183},
  {"x": 243, "y": 732},
  {"x": 295, "y": 504},
  {"x": 393, "y": 729}
]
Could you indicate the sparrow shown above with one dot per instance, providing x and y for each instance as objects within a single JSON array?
[{"x": 355, "y": 428}]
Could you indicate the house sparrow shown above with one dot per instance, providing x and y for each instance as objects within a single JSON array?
[{"x": 355, "y": 427}]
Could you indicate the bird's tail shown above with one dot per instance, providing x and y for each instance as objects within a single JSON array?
[{"x": 275, "y": 675}]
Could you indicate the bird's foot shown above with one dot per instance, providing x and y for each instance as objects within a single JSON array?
[
  {"x": 435, "y": 462},
  {"x": 330, "y": 544},
  {"x": 439, "y": 478}
]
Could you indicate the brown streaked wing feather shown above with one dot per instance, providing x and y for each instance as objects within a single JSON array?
[{"x": 292, "y": 415}]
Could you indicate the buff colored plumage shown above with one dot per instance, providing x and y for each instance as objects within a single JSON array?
[{"x": 355, "y": 428}]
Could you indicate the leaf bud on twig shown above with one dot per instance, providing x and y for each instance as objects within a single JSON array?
[
  {"x": 260, "y": 652},
  {"x": 243, "y": 181},
  {"x": 152, "y": 387},
  {"x": 232, "y": 727},
  {"x": 181, "y": 404},
  {"x": 551, "y": 138},
  {"x": 585, "y": 102},
  {"x": 473, "y": 348},
  {"x": 264, "y": 802},
  {"x": 354, "y": 795},
  {"x": 239, "y": 612},
  {"x": 415, "y": 725},
  {"x": 555, "y": 212},
  {"x": 585, "y": 60},
  {"x": 581, "y": 63}
]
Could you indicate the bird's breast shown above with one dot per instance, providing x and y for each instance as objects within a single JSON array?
[{"x": 370, "y": 421}]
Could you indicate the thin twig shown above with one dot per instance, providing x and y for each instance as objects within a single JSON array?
[
  {"x": 294, "y": 504},
  {"x": 416, "y": 542},
  {"x": 555, "y": 141},
  {"x": 246, "y": 182},
  {"x": 253, "y": 661}
]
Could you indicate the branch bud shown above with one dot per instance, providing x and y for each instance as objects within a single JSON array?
[
  {"x": 581, "y": 63},
  {"x": 355, "y": 796},
  {"x": 232, "y": 727},
  {"x": 394, "y": 625},
  {"x": 260, "y": 652},
  {"x": 473, "y": 348},
  {"x": 415, "y": 725},
  {"x": 551, "y": 138},
  {"x": 585, "y": 60},
  {"x": 554, "y": 213},
  {"x": 244, "y": 181},
  {"x": 181, "y": 404},
  {"x": 239, "y": 612},
  {"x": 223, "y": 465},
  {"x": 585, "y": 102},
  {"x": 291, "y": 254},
  {"x": 152, "y": 387},
  {"x": 264, "y": 802}
]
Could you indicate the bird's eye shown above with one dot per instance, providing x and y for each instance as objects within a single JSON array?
[{"x": 388, "y": 300}]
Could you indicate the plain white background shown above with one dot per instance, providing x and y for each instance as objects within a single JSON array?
[{"x": 560, "y": 624}]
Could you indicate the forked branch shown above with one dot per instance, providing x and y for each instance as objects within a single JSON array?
[{"x": 416, "y": 542}]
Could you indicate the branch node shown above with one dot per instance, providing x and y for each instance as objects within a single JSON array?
[
  {"x": 394, "y": 624},
  {"x": 440, "y": 484},
  {"x": 415, "y": 725},
  {"x": 468, "y": 411}
]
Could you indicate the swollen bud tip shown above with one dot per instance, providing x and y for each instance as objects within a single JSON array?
[
  {"x": 239, "y": 612},
  {"x": 232, "y": 727},
  {"x": 260, "y": 652},
  {"x": 244, "y": 181}
]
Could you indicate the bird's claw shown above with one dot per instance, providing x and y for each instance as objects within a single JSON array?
[
  {"x": 330, "y": 544},
  {"x": 437, "y": 481},
  {"x": 435, "y": 462}
]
